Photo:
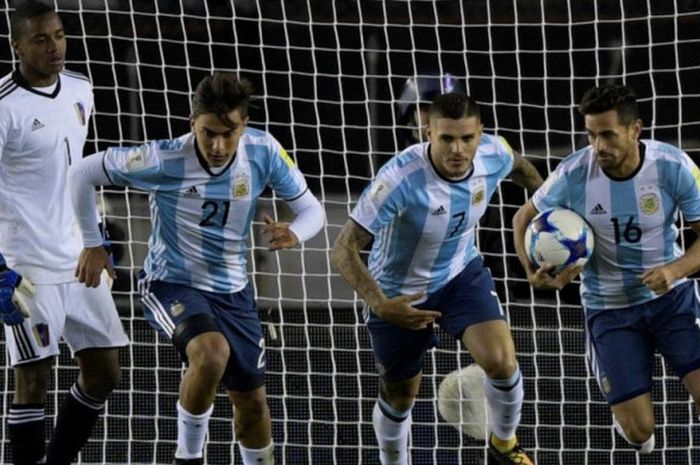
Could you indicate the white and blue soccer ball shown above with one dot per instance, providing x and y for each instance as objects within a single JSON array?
[{"x": 560, "y": 237}]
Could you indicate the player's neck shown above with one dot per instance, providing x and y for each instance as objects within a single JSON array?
[
  {"x": 628, "y": 166},
  {"x": 35, "y": 79}
]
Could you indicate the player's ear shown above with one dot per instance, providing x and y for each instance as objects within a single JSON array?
[
  {"x": 192, "y": 118},
  {"x": 637, "y": 128}
]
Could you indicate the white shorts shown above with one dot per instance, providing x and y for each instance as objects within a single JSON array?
[{"x": 85, "y": 318}]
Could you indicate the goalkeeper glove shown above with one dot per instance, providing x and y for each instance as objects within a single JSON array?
[{"x": 14, "y": 290}]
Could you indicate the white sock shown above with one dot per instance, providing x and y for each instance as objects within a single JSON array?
[
  {"x": 505, "y": 397},
  {"x": 191, "y": 432},
  {"x": 264, "y": 456},
  {"x": 644, "y": 448},
  {"x": 392, "y": 433}
]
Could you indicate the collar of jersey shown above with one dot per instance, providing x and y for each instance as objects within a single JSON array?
[
  {"x": 642, "y": 151},
  {"x": 435, "y": 170},
  {"x": 22, "y": 82},
  {"x": 205, "y": 166}
]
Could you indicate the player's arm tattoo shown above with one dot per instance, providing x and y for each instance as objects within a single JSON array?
[
  {"x": 524, "y": 173},
  {"x": 346, "y": 258}
]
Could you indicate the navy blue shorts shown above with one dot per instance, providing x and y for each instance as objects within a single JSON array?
[
  {"x": 622, "y": 342},
  {"x": 167, "y": 305},
  {"x": 468, "y": 299}
]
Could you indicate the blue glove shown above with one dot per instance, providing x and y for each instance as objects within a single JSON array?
[{"x": 9, "y": 282}]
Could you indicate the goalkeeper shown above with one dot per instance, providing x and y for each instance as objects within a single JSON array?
[
  {"x": 204, "y": 187},
  {"x": 635, "y": 292},
  {"x": 421, "y": 211},
  {"x": 44, "y": 113}
]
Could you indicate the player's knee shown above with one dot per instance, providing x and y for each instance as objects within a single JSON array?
[
  {"x": 99, "y": 385},
  {"x": 639, "y": 432},
  {"x": 31, "y": 382},
  {"x": 636, "y": 430},
  {"x": 401, "y": 395},
  {"x": 501, "y": 365},
  {"x": 209, "y": 353}
]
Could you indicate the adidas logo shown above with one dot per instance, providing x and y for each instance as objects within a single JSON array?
[
  {"x": 191, "y": 192},
  {"x": 37, "y": 125},
  {"x": 598, "y": 210},
  {"x": 439, "y": 211}
]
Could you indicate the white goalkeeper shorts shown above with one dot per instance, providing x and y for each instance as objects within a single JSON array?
[{"x": 85, "y": 317}]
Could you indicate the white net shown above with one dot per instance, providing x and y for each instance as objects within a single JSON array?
[{"x": 329, "y": 75}]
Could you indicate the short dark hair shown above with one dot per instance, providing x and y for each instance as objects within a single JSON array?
[
  {"x": 25, "y": 11},
  {"x": 221, "y": 93},
  {"x": 455, "y": 105},
  {"x": 611, "y": 97}
]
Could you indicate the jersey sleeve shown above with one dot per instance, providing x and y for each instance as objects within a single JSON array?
[
  {"x": 688, "y": 189},
  {"x": 380, "y": 202},
  {"x": 554, "y": 191},
  {"x": 138, "y": 166},
  {"x": 285, "y": 177},
  {"x": 506, "y": 152}
]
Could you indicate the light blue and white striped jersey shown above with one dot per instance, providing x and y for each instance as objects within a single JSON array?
[
  {"x": 201, "y": 221},
  {"x": 633, "y": 219},
  {"x": 423, "y": 224}
]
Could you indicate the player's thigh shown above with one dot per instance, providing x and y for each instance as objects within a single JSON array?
[
  {"x": 237, "y": 315},
  {"x": 620, "y": 351},
  {"x": 31, "y": 381},
  {"x": 398, "y": 352},
  {"x": 469, "y": 299},
  {"x": 491, "y": 345},
  {"x": 38, "y": 336},
  {"x": 178, "y": 312},
  {"x": 691, "y": 381},
  {"x": 92, "y": 321},
  {"x": 675, "y": 327}
]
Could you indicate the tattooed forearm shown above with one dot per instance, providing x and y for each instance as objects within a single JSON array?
[
  {"x": 346, "y": 258},
  {"x": 525, "y": 174}
]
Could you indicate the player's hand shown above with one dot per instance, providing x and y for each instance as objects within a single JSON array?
[
  {"x": 542, "y": 278},
  {"x": 398, "y": 310},
  {"x": 281, "y": 237},
  {"x": 14, "y": 290},
  {"x": 90, "y": 265},
  {"x": 659, "y": 279}
]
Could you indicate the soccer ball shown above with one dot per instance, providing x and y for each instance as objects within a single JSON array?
[
  {"x": 462, "y": 401},
  {"x": 559, "y": 237}
]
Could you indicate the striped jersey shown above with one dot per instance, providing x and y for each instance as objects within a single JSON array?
[
  {"x": 423, "y": 224},
  {"x": 201, "y": 220},
  {"x": 41, "y": 132},
  {"x": 634, "y": 219}
]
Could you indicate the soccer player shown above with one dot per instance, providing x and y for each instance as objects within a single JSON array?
[
  {"x": 203, "y": 189},
  {"x": 44, "y": 113},
  {"x": 421, "y": 210},
  {"x": 635, "y": 292}
]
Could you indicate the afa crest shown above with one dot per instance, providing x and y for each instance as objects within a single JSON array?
[
  {"x": 478, "y": 195},
  {"x": 649, "y": 203},
  {"x": 241, "y": 187}
]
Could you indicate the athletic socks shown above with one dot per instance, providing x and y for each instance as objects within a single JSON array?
[
  {"x": 191, "y": 432},
  {"x": 391, "y": 427},
  {"x": 505, "y": 398},
  {"x": 25, "y": 425},
  {"x": 264, "y": 456},
  {"x": 75, "y": 421}
]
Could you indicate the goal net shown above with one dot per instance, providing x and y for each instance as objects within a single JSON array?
[{"x": 328, "y": 76}]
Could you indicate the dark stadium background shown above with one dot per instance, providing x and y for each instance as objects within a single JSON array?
[{"x": 529, "y": 96}]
